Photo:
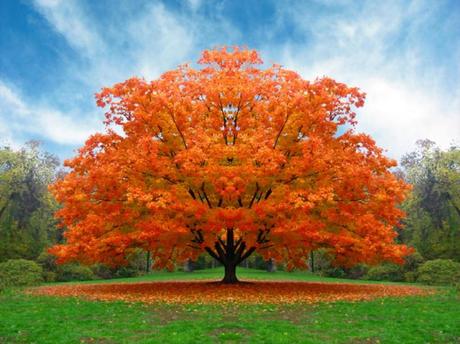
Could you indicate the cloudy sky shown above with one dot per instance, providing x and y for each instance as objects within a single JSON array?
[{"x": 55, "y": 54}]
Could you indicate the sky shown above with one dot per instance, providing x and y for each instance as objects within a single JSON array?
[{"x": 56, "y": 54}]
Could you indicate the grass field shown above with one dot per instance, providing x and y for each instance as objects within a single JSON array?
[{"x": 41, "y": 319}]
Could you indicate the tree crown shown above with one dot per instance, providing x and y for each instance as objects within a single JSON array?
[{"x": 230, "y": 149}]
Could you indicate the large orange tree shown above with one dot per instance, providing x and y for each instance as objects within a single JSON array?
[{"x": 230, "y": 159}]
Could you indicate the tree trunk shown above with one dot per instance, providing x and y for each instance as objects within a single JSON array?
[
  {"x": 147, "y": 263},
  {"x": 312, "y": 261},
  {"x": 230, "y": 274},
  {"x": 271, "y": 265}
]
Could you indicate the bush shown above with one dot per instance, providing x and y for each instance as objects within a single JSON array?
[
  {"x": 385, "y": 272},
  {"x": 332, "y": 271},
  {"x": 357, "y": 272},
  {"x": 47, "y": 261},
  {"x": 439, "y": 272},
  {"x": 19, "y": 273},
  {"x": 410, "y": 276},
  {"x": 126, "y": 271},
  {"x": 49, "y": 276},
  {"x": 102, "y": 271},
  {"x": 73, "y": 272},
  {"x": 413, "y": 261}
]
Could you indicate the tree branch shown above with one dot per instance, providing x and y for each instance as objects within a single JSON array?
[
  {"x": 246, "y": 255},
  {"x": 213, "y": 254}
]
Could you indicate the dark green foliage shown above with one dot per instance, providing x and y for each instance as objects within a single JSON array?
[
  {"x": 126, "y": 271},
  {"x": 413, "y": 261},
  {"x": 19, "y": 273},
  {"x": 386, "y": 272},
  {"x": 27, "y": 225},
  {"x": 102, "y": 271},
  {"x": 439, "y": 272},
  {"x": 49, "y": 276},
  {"x": 433, "y": 208},
  {"x": 73, "y": 272},
  {"x": 357, "y": 272}
]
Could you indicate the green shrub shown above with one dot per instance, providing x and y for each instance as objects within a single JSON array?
[
  {"x": 439, "y": 272},
  {"x": 357, "y": 272},
  {"x": 413, "y": 261},
  {"x": 385, "y": 272},
  {"x": 47, "y": 261},
  {"x": 73, "y": 272},
  {"x": 103, "y": 271},
  {"x": 49, "y": 276},
  {"x": 332, "y": 271},
  {"x": 19, "y": 272},
  {"x": 126, "y": 271},
  {"x": 410, "y": 276}
]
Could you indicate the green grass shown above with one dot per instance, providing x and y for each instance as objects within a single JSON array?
[
  {"x": 243, "y": 274},
  {"x": 33, "y": 319}
]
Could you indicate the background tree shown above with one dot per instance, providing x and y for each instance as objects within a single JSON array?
[
  {"x": 230, "y": 159},
  {"x": 433, "y": 222},
  {"x": 27, "y": 224}
]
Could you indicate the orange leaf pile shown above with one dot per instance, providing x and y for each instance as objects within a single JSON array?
[{"x": 199, "y": 292}]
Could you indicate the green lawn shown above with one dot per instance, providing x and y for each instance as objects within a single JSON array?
[
  {"x": 33, "y": 319},
  {"x": 243, "y": 274}
]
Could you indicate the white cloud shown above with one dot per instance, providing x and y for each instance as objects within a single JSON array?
[
  {"x": 397, "y": 115},
  {"x": 20, "y": 119},
  {"x": 194, "y": 4},
  {"x": 140, "y": 41},
  {"x": 71, "y": 21},
  {"x": 160, "y": 40},
  {"x": 379, "y": 49},
  {"x": 375, "y": 46}
]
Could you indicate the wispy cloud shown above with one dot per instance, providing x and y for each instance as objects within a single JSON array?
[
  {"x": 379, "y": 49},
  {"x": 70, "y": 20},
  {"x": 389, "y": 49},
  {"x": 21, "y": 118}
]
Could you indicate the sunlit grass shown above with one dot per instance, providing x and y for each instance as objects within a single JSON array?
[{"x": 40, "y": 319}]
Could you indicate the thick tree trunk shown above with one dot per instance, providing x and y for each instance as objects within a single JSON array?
[{"x": 230, "y": 274}]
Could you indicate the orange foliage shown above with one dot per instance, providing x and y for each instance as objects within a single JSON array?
[
  {"x": 230, "y": 159},
  {"x": 248, "y": 293}
]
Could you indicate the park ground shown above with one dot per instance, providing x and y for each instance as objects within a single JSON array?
[{"x": 29, "y": 318}]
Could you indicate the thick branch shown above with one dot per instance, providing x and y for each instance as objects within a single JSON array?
[
  {"x": 213, "y": 254},
  {"x": 220, "y": 250},
  {"x": 247, "y": 254}
]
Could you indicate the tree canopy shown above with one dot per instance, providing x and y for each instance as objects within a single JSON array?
[
  {"x": 230, "y": 159},
  {"x": 433, "y": 221},
  {"x": 26, "y": 207}
]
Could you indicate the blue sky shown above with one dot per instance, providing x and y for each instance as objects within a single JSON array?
[{"x": 55, "y": 54}]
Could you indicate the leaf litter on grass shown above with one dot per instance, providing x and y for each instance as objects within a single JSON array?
[{"x": 257, "y": 292}]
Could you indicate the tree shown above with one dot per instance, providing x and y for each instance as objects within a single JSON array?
[
  {"x": 26, "y": 207},
  {"x": 433, "y": 207},
  {"x": 230, "y": 159}
]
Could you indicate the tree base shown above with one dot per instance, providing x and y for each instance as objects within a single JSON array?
[{"x": 230, "y": 275}]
